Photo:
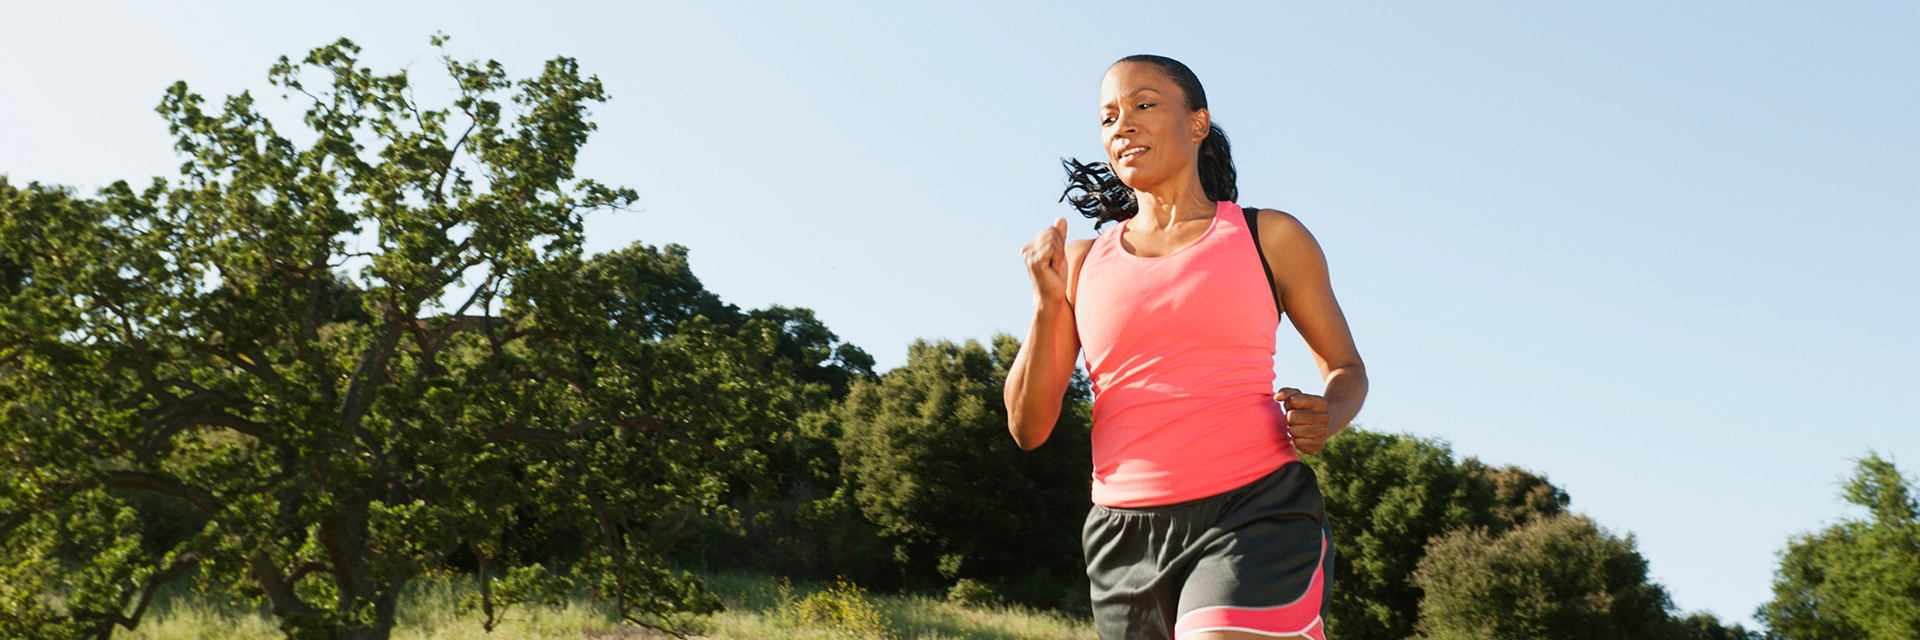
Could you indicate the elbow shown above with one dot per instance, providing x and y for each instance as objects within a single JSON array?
[
  {"x": 1027, "y": 423},
  {"x": 1025, "y": 436},
  {"x": 1355, "y": 369}
]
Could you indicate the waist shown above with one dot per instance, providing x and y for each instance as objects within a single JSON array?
[{"x": 1143, "y": 455}]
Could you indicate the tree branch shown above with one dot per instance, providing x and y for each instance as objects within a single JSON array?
[
  {"x": 157, "y": 483},
  {"x": 174, "y": 421},
  {"x": 109, "y": 619},
  {"x": 281, "y": 599},
  {"x": 359, "y": 396},
  {"x": 547, "y": 437},
  {"x": 303, "y": 570},
  {"x": 439, "y": 187},
  {"x": 254, "y": 363}
]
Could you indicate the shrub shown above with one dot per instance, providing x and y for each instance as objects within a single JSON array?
[
  {"x": 1556, "y": 578},
  {"x": 844, "y": 606},
  {"x": 972, "y": 594},
  {"x": 931, "y": 464}
]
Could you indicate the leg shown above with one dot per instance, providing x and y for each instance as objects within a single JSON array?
[
  {"x": 1238, "y": 635},
  {"x": 1263, "y": 570}
]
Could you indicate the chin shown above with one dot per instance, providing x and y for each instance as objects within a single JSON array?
[{"x": 1136, "y": 178}]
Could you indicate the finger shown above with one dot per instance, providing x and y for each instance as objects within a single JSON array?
[
  {"x": 1307, "y": 430},
  {"x": 1309, "y": 446},
  {"x": 1303, "y": 417},
  {"x": 1284, "y": 393},
  {"x": 1307, "y": 401},
  {"x": 1060, "y": 226}
]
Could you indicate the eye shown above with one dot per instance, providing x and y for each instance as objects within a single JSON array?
[
  {"x": 1106, "y": 120},
  {"x": 1145, "y": 105}
]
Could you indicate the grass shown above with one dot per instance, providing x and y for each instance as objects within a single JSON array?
[{"x": 758, "y": 608}]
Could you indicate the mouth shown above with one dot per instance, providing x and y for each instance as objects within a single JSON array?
[{"x": 1129, "y": 154}]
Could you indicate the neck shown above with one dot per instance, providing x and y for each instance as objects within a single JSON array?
[{"x": 1163, "y": 205}]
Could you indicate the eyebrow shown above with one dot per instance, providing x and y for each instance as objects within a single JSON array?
[{"x": 1130, "y": 94}]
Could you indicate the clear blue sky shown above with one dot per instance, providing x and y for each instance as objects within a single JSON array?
[{"x": 1665, "y": 253}]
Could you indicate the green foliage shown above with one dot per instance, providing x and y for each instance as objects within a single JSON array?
[
  {"x": 843, "y": 607},
  {"x": 1554, "y": 578},
  {"x": 969, "y": 593},
  {"x": 783, "y": 515},
  {"x": 340, "y": 436},
  {"x": 932, "y": 465},
  {"x": 1704, "y": 626},
  {"x": 1859, "y": 578},
  {"x": 530, "y": 584},
  {"x": 1387, "y": 496}
]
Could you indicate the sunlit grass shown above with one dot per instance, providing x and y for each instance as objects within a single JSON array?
[{"x": 758, "y": 608}]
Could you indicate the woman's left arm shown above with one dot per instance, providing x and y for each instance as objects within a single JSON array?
[{"x": 1306, "y": 295}]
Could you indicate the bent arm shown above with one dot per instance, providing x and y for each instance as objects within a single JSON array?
[
  {"x": 1037, "y": 381},
  {"x": 1305, "y": 290}
]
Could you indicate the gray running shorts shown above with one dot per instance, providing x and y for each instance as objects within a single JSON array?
[{"x": 1255, "y": 559}]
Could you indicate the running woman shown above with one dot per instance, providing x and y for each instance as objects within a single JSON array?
[{"x": 1205, "y": 524}]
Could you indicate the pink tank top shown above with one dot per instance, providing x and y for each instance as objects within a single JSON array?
[{"x": 1180, "y": 348}]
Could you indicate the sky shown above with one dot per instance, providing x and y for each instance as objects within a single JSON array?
[{"x": 1666, "y": 254}]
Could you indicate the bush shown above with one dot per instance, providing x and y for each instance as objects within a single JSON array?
[
  {"x": 1859, "y": 578},
  {"x": 844, "y": 607},
  {"x": 968, "y": 593},
  {"x": 1558, "y": 578},
  {"x": 1387, "y": 496},
  {"x": 931, "y": 464}
]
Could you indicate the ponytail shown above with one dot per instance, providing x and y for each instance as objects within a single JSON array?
[
  {"x": 1104, "y": 198},
  {"x": 1217, "y": 176}
]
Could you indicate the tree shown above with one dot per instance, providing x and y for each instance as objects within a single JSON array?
[
  {"x": 1554, "y": 578},
  {"x": 1859, "y": 578},
  {"x": 1387, "y": 496},
  {"x": 1704, "y": 626},
  {"x": 931, "y": 463},
  {"x": 191, "y": 340}
]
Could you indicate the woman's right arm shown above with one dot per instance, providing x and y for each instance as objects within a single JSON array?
[{"x": 1037, "y": 381}]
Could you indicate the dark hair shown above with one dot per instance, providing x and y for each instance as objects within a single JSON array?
[{"x": 1103, "y": 197}]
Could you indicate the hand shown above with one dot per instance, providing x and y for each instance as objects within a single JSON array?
[
  {"x": 1046, "y": 258},
  {"x": 1306, "y": 419}
]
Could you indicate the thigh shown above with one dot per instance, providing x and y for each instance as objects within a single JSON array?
[
  {"x": 1237, "y": 635},
  {"x": 1132, "y": 588},
  {"x": 1267, "y": 576},
  {"x": 1266, "y": 563}
]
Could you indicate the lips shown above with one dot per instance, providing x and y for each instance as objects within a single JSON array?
[{"x": 1131, "y": 153}]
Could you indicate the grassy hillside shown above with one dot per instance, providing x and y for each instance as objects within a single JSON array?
[{"x": 758, "y": 608}]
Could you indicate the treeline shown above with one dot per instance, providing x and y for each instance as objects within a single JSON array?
[{"x": 192, "y": 388}]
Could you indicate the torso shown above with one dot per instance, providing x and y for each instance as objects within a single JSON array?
[
  {"x": 1146, "y": 245},
  {"x": 1178, "y": 332},
  {"x": 1153, "y": 244}
]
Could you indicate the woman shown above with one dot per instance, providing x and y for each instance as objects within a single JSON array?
[{"x": 1205, "y": 523}]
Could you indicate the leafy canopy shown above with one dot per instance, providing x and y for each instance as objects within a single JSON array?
[
  {"x": 1859, "y": 579},
  {"x": 931, "y": 464},
  {"x": 341, "y": 434}
]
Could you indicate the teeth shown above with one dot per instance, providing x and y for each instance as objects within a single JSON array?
[{"x": 1133, "y": 152}]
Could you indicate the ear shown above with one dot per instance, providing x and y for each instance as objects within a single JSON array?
[{"x": 1202, "y": 121}]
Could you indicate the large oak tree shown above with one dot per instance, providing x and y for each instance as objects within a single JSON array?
[{"x": 341, "y": 435}]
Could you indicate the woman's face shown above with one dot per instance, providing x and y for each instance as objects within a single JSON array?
[{"x": 1149, "y": 134}]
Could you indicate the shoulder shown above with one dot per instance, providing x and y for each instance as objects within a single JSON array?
[
  {"x": 1280, "y": 230},
  {"x": 1077, "y": 249},
  {"x": 1290, "y": 248},
  {"x": 1076, "y": 255}
]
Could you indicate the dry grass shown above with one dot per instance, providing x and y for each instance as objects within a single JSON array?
[{"x": 758, "y": 608}]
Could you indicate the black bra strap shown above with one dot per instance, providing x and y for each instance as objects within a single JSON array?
[{"x": 1253, "y": 228}]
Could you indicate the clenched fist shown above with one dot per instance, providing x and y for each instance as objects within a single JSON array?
[
  {"x": 1046, "y": 258},
  {"x": 1306, "y": 419}
]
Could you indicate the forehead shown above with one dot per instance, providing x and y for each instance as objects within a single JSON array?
[{"x": 1126, "y": 78}]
